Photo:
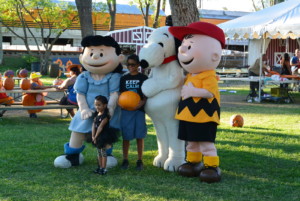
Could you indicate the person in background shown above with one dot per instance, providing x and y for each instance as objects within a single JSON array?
[
  {"x": 133, "y": 123},
  {"x": 103, "y": 136},
  {"x": 253, "y": 70},
  {"x": 295, "y": 64},
  {"x": 70, "y": 99},
  {"x": 35, "y": 99},
  {"x": 285, "y": 68}
]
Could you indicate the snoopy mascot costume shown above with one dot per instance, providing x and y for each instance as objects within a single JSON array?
[
  {"x": 102, "y": 59},
  {"x": 162, "y": 90}
]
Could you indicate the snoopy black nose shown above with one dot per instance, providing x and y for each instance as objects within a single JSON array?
[{"x": 144, "y": 63}]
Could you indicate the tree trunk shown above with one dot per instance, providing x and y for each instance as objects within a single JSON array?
[
  {"x": 155, "y": 23},
  {"x": 1, "y": 45},
  {"x": 184, "y": 12},
  {"x": 45, "y": 62},
  {"x": 84, "y": 8},
  {"x": 163, "y": 5},
  {"x": 145, "y": 12},
  {"x": 112, "y": 6}
]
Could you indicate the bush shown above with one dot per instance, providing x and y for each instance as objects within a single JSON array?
[
  {"x": 13, "y": 63},
  {"x": 30, "y": 59}
]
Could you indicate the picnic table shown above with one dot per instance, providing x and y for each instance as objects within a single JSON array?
[
  {"x": 279, "y": 93},
  {"x": 232, "y": 72},
  {"x": 18, "y": 93}
]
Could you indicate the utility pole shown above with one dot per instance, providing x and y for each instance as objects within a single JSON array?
[{"x": 199, "y": 4}]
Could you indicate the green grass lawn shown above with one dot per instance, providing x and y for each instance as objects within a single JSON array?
[{"x": 259, "y": 161}]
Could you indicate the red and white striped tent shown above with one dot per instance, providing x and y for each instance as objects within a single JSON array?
[{"x": 135, "y": 37}]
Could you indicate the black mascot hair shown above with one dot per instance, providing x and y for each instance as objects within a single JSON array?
[
  {"x": 106, "y": 41},
  {"x": 169, "y": 21},
  {"x": 101, "y": 40}
]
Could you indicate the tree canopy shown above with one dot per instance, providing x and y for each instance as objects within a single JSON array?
[{"x": 37, "y": 19}]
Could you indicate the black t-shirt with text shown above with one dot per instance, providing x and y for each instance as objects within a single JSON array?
[{"x": 132, "y": 83}]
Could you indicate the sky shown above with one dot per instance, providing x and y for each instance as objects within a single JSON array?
[{"x": 232, "y": 5}]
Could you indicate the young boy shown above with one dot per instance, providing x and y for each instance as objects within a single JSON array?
[{"x": 133, "y": 123}]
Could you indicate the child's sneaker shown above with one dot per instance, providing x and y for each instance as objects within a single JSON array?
[
  {"x": 125, "y": 164},
  {"x": 103, "y": 171},
  {"x": 139, "y": 165},
  {"x": 96, "y": 171}
]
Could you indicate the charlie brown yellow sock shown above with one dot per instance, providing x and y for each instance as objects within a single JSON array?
[
  {"x": 211, "y": 161},
  {"x": 194, "y": 157}
]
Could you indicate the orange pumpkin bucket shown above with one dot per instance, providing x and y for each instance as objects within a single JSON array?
[{"x": 128, "y": 100}]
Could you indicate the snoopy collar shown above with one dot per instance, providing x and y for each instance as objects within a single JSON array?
[{"x": 169, "y": 59}]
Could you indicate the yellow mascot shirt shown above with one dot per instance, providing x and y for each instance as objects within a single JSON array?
[{"x": 197, "y": 109}]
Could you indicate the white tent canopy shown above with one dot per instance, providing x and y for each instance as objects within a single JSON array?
[{"x": 279, "y": 21}]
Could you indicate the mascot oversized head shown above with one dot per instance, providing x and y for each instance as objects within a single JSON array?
[
  {"x": 198, "y": 111},
  {"x": 101, "y": 58}
]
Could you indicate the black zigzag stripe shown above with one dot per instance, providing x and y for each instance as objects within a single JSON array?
[{"x": 195, "y": 108}]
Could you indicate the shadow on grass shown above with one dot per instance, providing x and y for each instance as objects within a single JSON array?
[
  {"x": 252, "y": 131},
  {"x": 289, "y": 149},
  {"x": 267, "y": 140},
  {"x": 27, "y": 171},
  {"x": 246, "y": 176}
]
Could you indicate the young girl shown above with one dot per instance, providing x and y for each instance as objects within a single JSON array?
[{"x": 102, "y": 135}]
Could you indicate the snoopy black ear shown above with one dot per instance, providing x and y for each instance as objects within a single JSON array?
[
  {"x": 177, "y": 44},
  {"x": 144, "y": 63}
]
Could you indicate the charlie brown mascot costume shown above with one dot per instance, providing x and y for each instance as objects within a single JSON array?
[
  {"x": 102, "y": 60},
  {"x": 199, "y": 107}
]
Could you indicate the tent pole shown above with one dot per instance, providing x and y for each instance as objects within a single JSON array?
[
  {"x": 244, "y": 56},
  {"x": 260, "y": 68},
  {"x": 287, "y": 45}
]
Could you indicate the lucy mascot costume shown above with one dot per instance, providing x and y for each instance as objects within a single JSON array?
[
  {"x": 102, "y": 59},
  {"x": 199, "y": 108}
]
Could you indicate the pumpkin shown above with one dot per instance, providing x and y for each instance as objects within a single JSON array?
[
  {"x": 57, "y": 81},
  {"x": 23, "y": 73},
  {"x": 8, "y": 83},
  {"x": 9, "y": 73},
  {"x": 128, "y": 100},
  {"x": 18, "y": 73},
  {"x": 236, "y": 120},
  {"x": 25, "y": 84}
]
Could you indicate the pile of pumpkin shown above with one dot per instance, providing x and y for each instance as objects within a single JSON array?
[{"x": 9, "y": 83}]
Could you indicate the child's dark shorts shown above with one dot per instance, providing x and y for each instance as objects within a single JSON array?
[{"x": 133, "y": 125}]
